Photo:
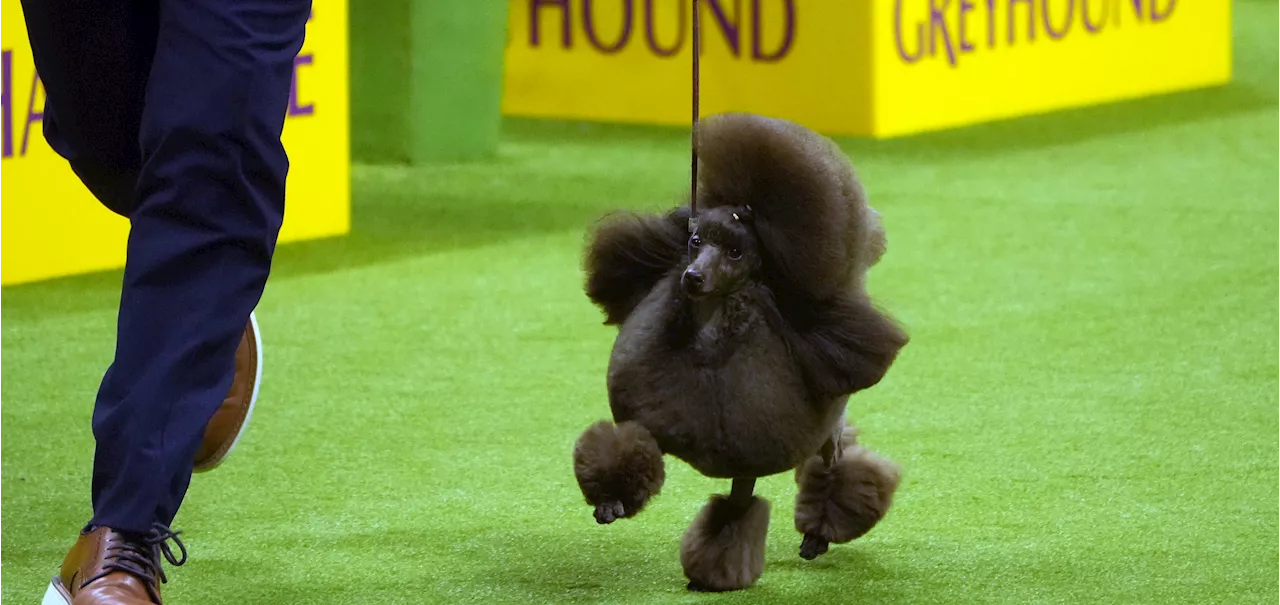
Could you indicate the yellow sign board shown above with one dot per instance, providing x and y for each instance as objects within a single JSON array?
[
  {"x": 51, "y": 226},
  {"x": 876, "y": 68}
]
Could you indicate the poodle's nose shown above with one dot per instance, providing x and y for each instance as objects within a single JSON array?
[{"x": 692, "y": 281}]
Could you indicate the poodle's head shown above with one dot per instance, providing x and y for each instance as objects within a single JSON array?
[
  {"x": 724, "y": 253},
  {"x": 816, "y": 232}
]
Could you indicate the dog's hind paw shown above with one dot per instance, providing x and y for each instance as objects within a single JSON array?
[{"x": 843, "y": 502}]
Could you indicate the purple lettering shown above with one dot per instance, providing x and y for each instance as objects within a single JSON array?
[
  {"x": 788, "y": 36},
  {"x": 731, "y": 31},
  {"x": 1157, "y": 16},
  {"x": 1031, "y": 19},
  {"x": 652, "y": 36},
  {"x": 1137, "y": 9},
  {"x": 590, "y": 28},
  {"x": 294, "y": 108},
  {"x": 938, "y": 21},
  {"x": 33, "y": 116},
  {"x": 566, "y": 27},
  {"x": 1092, "y": 27},
  {"x": 965, "y": 7},
  {"x": 1048, "y": 23},
  {"x": 897, "y": 36},
  {"x": 991, "y": 23},
  {"x": 7, "y": 99}
]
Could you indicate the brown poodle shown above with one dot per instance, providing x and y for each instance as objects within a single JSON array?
[{"x": 738, "y": 347}]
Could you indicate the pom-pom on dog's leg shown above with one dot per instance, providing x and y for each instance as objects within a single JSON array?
[
  {"x": 724, "y": 548},
  {"x": 842, "y": 496},
  {"x": 619, "y": 468}
]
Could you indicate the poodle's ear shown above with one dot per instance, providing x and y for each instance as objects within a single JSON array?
[
  {"x": 628, "y": 254},
  {"x": 844, "y": 345}
]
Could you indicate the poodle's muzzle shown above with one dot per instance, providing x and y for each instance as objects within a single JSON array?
[{"x": 693, "y": 283}]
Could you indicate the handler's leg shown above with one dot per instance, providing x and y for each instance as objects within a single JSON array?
[
  {"x": 94, "y": 59},
  {"x": 207, "y": 208},
  {"x": 210, "y": 202}
]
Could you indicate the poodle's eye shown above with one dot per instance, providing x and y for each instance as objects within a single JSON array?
[
  {"x": 735, "y": 253},
  {"x": 695, "y": 241}
]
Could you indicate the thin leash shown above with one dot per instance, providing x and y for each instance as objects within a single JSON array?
[{"x": 693, "y": 172}]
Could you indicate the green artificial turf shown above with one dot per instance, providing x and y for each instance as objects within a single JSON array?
[{"x": 1087, "y": 412}]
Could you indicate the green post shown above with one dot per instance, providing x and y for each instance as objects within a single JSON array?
[{"x": 426, "y": 79}]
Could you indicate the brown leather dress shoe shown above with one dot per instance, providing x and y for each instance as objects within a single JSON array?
[
  {"x": 106, "y": 567},
  {"x": 228, "y": 423}
]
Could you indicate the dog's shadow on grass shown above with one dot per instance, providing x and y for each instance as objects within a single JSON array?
[{"x": 529, "y": 564}]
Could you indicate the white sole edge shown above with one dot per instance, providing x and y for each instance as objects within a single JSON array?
[
  {"x": 53, "y": 594},
  {"x": 253, "y": 398}
]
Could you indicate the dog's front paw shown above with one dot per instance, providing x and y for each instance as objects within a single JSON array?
[
  {"x": 608, "y": 512},
  {"x": 812, "y": 546},
  {"x": 619, "y": 469}
]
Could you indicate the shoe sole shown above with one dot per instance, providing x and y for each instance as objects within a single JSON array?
[
  {"x": 56, "y": 594},
  {"x": 253, "y": 398}
]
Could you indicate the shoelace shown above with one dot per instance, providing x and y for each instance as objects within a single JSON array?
[{"x": 140, "y": 557}]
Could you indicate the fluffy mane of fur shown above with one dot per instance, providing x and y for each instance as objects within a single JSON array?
[{"x": 809, "y": 210}]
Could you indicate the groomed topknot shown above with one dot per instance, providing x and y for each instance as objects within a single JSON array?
[{"x": 807, "y": 204}]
